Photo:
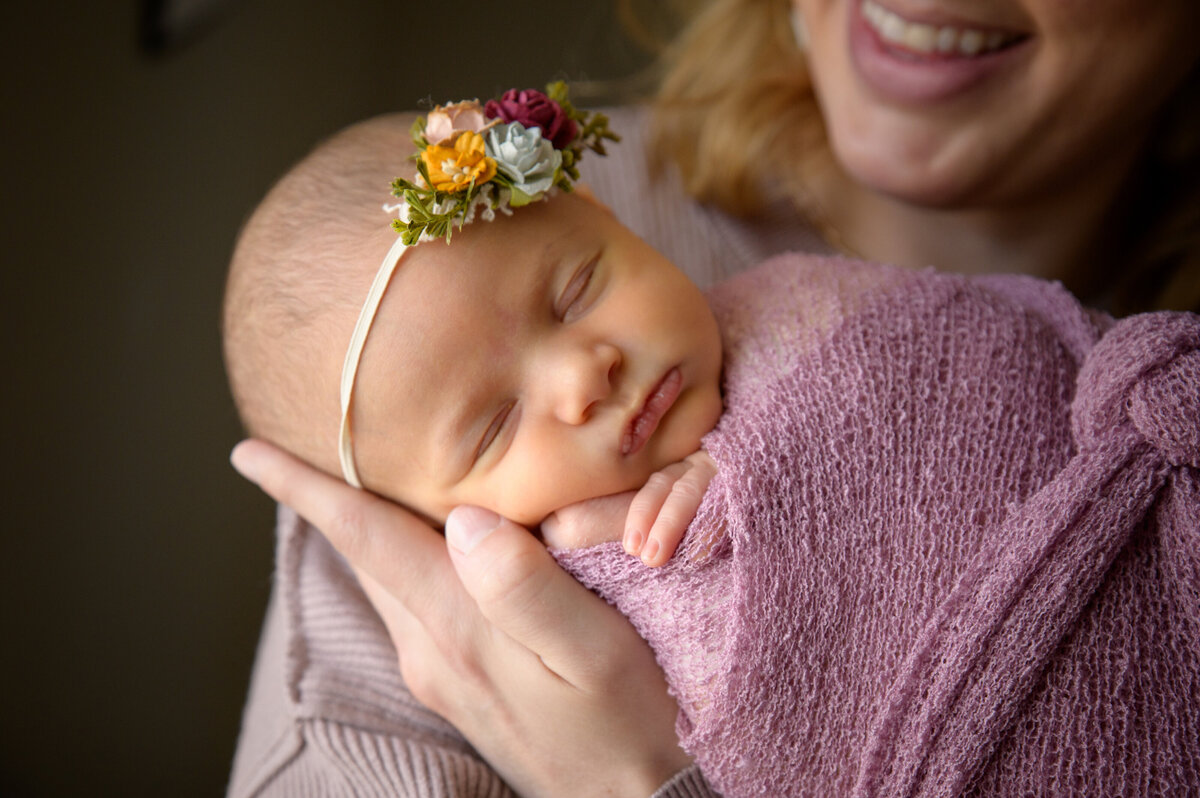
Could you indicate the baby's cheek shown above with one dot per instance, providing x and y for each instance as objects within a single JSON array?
[
  {"x": 697, "y": 414},
  {"x": 531, "y": 488}
]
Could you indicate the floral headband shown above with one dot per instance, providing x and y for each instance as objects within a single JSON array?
[{"x": 473, "y": 160}]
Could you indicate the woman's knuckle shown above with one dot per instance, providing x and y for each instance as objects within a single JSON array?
[
  {"x": 420, "y": 681},
  {"x": 517, "y": 565},
  {"x": 510, "y": 576},
  {"x": 348, "y": 526},
  {"x": 470, "y": 675}
]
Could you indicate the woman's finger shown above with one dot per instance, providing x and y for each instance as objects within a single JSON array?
[
  {"x": 400, "y": 551},
  {"x": 432, "y": 675},
  {"x": 522, "y": 591}
]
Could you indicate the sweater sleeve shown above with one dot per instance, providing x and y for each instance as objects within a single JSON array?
[
  {"x": 332, "y": 758},
  {"x": 687, "y": 783}
]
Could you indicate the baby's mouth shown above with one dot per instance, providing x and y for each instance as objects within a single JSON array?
[{"x": 660, "y": 399}]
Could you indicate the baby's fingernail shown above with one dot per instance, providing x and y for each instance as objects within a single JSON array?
[
  {"x": 467, "y": 525},
  {"x": 650, "y": 551},
  {"x": 632, "y": 542}
]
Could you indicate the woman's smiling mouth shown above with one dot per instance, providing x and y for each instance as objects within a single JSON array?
[
  {"x": 923, "y": 39},
  {"x": 930, "y": 60}
]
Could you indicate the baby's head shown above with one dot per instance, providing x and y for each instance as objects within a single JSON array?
[{"x": 537, "y": 360}]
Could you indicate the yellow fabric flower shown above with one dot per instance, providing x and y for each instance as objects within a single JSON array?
[{"x": 453, "y": 168}]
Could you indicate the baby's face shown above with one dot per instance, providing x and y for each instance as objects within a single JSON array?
[{"x": 536, "y": 361}]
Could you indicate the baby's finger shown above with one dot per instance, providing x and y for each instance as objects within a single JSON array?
[
  {"x": 676, "y": 514},
  {"x": 646, "y": 506},
  {"x": 587, "y": 523}
]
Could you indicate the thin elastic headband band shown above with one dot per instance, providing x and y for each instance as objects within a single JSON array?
[{"x": 358, "y": 339}]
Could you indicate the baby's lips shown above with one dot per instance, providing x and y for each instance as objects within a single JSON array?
[{"x": 658, "y": 402}]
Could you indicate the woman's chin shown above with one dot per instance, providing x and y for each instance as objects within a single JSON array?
[{"x": 914, "y": 181}]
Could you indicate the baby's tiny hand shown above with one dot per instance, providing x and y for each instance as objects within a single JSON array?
[
  {"x": 663, "y": 508},
  {"x": 587, "y": 523}
]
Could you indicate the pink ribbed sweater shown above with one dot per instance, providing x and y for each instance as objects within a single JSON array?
[{"x": 953, "y": 545}]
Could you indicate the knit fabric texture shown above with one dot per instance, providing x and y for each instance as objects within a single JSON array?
[{"x": 952, "y": 548}]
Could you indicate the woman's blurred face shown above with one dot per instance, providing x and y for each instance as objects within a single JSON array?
[{"x": 975, "y": 103}]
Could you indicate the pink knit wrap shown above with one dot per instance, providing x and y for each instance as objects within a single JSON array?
[{"x": 953, "y": 545}]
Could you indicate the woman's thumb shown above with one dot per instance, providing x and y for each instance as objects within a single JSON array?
[{"x": 521, "y": 589}]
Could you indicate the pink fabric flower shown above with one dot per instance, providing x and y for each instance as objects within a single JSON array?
[
  {"x": 533, "y": 109},
  {"x": 445, "y": 122}
]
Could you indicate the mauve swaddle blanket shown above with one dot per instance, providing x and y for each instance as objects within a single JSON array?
[{"x": 953, "y": 545}]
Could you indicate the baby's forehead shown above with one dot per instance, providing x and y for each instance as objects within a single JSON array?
[
  {"x": 506, "y": 249},
  {"x": 466, "y": 302},
  {"x": 456, "y": 313}
]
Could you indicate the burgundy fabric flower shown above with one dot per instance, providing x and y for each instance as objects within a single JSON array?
[{"x": 533, "y": 109}]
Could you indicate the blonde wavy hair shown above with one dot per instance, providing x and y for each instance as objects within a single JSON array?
[
  {"x": 735, "y": 110},
  {"x": 735, "y": 113}
]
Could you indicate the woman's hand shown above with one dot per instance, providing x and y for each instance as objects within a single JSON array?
[{"x": 550, "y": 684}]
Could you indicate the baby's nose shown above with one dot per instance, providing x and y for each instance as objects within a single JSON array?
[{"x": 584, "y": 378}]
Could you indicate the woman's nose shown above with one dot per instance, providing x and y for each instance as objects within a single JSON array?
[{"x": 583, "y": 377}]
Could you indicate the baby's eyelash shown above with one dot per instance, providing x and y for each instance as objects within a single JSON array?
[
  {"x": 492, "y": 433},
  {"x": 566, "y": 308}
]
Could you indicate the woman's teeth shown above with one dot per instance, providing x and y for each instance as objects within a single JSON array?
[{"x": 931, "y": 39}]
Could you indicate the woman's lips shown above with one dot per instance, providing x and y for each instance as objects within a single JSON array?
[
  {"x": 642, "y": 426},
  {"x": 913, "y": 61}
]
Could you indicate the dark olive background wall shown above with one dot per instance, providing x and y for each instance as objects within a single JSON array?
[{"x": 136, "y": 564}]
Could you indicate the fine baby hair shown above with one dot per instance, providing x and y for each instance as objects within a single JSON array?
[{"x": 299, "y": 269}]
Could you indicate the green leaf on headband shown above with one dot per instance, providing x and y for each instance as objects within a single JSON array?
[
  {"x": 519, "y": 198},
  {"x": 400, "y": 187},
  {"x": 424, "y": 170},
  {"x": 558, "y": 91},
  {"x": 417, "y": 131}
]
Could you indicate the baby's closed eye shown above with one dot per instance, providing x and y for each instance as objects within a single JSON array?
[
  {"x": 497, "y": 433},
  {"x": 576, "y": 297}
]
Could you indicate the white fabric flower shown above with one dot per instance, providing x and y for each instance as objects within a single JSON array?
[{"x": 525, "y": 158}]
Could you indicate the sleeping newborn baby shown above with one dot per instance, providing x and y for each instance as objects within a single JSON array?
[
  {"x": 546, "y": 357},
  {"x": 935, "y": 535}
]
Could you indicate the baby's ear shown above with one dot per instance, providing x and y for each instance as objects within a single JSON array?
[{"x": 585, "y": 191}]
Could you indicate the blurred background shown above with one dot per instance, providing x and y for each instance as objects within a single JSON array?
[{"x": 137, "y": 136}]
